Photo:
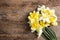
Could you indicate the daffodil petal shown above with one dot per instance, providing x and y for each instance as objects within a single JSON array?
[
  {"x": 54, "y": 23},
  {"x": 39, "y": 32}
]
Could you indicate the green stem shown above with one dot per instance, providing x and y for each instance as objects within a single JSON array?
[{"x": 49, "y": 34}]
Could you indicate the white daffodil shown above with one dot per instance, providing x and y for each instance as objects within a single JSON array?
[
  {"x": 41, "y": 7},
  {"x": 50, "y": 11},
  {"x": 45, "y": 17}
]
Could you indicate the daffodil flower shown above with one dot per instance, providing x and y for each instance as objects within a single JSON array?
[
  {"x": 41, "y": 7},
  {"x": 34, "y": 26},
  {"x": 43, "y": 17},
  {"x": 34, "y": 16}
]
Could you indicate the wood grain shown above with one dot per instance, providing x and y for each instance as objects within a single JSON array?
[{"x": 13, "y": 18}]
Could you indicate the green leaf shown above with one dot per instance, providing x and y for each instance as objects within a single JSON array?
[{"x": 49, "y": 34}]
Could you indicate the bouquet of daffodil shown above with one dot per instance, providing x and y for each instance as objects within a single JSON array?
[{"x": 41, "y": 20}]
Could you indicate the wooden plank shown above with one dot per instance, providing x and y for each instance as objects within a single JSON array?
[{"x": 13, "y": 18}]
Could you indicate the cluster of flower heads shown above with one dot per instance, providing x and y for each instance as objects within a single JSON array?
[{"x": 43, "y": 17}]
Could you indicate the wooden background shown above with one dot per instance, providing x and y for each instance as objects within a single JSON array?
[{"x": 13, "y": 18}]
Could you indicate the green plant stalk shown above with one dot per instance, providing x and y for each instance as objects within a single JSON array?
[
  {"x": 52, "y": 32},
  {"x": 49, "y": 34}
]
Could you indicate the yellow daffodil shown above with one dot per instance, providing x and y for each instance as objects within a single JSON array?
[
  {"x": 34, "y": 15},
  {"x": 34, "y": 26},
  {"x": 42, "y": 24},
  {"x": 42, "y": 18},
  {"x": 52, "y": 19},
  {"x": 54, "y": 23}
]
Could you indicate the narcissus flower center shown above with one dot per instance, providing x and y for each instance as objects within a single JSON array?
[
  {"x": 52, "y": 19},
  {"x": 35, "y": 25},
  {"x": 42, "y": 23}
]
